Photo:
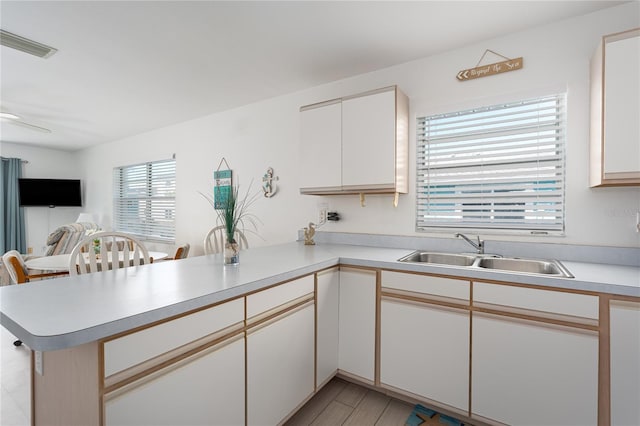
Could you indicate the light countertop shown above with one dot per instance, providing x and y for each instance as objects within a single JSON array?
[{"x": 66, "y": 312}]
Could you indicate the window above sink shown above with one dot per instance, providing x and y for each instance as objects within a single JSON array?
[{"x": 498, "y": 167}]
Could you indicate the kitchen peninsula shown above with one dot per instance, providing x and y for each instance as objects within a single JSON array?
[{"x": 121, "y": 347}]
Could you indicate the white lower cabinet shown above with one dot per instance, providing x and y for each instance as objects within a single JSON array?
[
  {"x": 424, "y": 350},
  {"x": 625, "y": 363},
  {"x": 357, "y": 320},
  {"x": 280, "y": 365},
  {"x": 530, "y": 373},
  {"x": 207, "y": 388},
  {"x": 327, "y": 302}
]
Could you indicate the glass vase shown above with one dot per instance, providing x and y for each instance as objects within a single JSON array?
[{"x": 231, "y": 252}]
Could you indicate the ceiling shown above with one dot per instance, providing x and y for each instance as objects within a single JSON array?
[{"x": 127, "y": 67}]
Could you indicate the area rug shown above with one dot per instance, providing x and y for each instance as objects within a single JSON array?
[{"x": 423, "y": 416}]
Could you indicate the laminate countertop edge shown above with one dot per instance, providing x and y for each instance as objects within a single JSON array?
[{"x": 65, "y": 312}]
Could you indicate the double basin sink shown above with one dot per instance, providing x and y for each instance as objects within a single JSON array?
[{"x": 490, "y": 262}]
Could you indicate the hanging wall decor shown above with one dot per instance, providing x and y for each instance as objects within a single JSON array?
[
  {"x": 269, "y": 185},
  {"x": 222, "y": 186},
  {"x": 490, "y": 69}
]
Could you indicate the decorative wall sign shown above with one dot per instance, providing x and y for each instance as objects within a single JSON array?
[
  {"x": 269, "y": 185},
  {"x": 222, "y": 185},
  {"x": 490, "y": 69}
]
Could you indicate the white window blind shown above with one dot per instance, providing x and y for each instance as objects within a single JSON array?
[
  {"x": 144, "y": 200},
  {"x": 497, "y": 167}
]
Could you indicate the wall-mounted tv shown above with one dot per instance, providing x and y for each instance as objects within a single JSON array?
[{"x": 50, "y": 192}]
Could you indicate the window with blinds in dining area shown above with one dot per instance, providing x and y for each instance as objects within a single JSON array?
[
  {"x": 144, "y": 200},
  {"x": 496, "y": 167}
]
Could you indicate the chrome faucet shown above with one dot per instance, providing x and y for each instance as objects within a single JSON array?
[{"x": 479, "y": 246}]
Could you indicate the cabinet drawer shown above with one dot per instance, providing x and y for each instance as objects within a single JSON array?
[
  {"x": 268, "y": 299},
  {"x": 132, "y": 349},
  {"x": 555, "y": 302},
  {"x": 437, "y": 286}
]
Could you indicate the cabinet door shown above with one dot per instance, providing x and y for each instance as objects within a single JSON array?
[
  {"x": 357, "y": 322},
  {"x": 625, "y": 363},
  {"x": 368, "y": 140},
  {"x": 621, "y": 108},
  {"x": 327, "y": 302},
  {"x": 528, "y": 373},
  {"x": 320, "y": 147},
  {"x": 424, "y": 349},
  {"x": 280, "y": 367},
  {"x": 614, "y": 125},
  {"x": 207, "y": 388}
]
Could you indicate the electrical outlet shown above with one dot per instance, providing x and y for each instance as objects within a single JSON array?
[
  {"x": 323, "y": 208},
  {"x": 38, "y": 362},
  {"x": 322, "y": 215}
]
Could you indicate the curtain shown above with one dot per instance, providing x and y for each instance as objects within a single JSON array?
[{"x": 11, "y": 214}]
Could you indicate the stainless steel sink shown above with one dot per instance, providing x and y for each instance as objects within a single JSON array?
[
  {"x": 493, "y": 262},
  {"x": 439, "y": 258},
  {"x": 527, "y": 266}
]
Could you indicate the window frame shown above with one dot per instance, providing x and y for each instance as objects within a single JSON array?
[
  {"x": 146, "y": 186},
  {"x": 424, "y": 220}
]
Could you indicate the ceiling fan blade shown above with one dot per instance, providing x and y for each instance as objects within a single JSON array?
[{"x": 27, "y": 125}]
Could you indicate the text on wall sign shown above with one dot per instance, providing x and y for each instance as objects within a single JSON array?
[{"x": 490, "y": 69}]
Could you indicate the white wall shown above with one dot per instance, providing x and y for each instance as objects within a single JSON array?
[
  {"x": 266, "y": 134},
  {"x": 44, "y": 163}
]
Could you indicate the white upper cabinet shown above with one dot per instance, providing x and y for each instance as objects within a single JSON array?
[
  {"x": 320, "y": 158},
  {"x": 368, "y": 126},
  {"x": 615, "y": 110},
  {"x": 356, "y": 144}
]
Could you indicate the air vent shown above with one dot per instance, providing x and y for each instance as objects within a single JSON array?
[{"x": 25, "y": 45}]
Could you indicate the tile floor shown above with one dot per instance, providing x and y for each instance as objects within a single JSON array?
[
  {"x": 344, "y": 403},
  {"x": 15, "y": 382}
]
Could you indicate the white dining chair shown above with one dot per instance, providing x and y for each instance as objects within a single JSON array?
[
  {"x": 214, "y": 241},
  {"x": 107, "y": 250}
]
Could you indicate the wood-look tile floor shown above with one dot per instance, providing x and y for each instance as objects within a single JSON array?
[{"x": 343, "y": 403}]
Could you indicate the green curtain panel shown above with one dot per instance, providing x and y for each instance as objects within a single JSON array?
[{"x": 11, "y": 214}]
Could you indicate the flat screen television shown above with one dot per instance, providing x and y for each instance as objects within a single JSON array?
[{"x": 50, "y": 192}]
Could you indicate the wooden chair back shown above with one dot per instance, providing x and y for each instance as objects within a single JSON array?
[
  {"x": 214, "y": 241},
  {"x": 113, "y": 250},
  {"x": 182, "y": 252},
  {"x": 18, "y": 270},
  {"x": 15, "y": 266}
]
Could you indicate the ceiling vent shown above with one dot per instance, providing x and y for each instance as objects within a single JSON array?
[{"x": 25, "y": 45}]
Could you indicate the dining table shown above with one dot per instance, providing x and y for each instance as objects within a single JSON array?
[{"x": 60, "y": 262}]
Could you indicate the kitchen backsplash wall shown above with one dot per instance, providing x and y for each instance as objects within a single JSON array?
[{"x": 626, "y": 256}]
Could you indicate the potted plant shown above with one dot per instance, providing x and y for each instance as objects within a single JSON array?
[{"x": 234, "y": 216}]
